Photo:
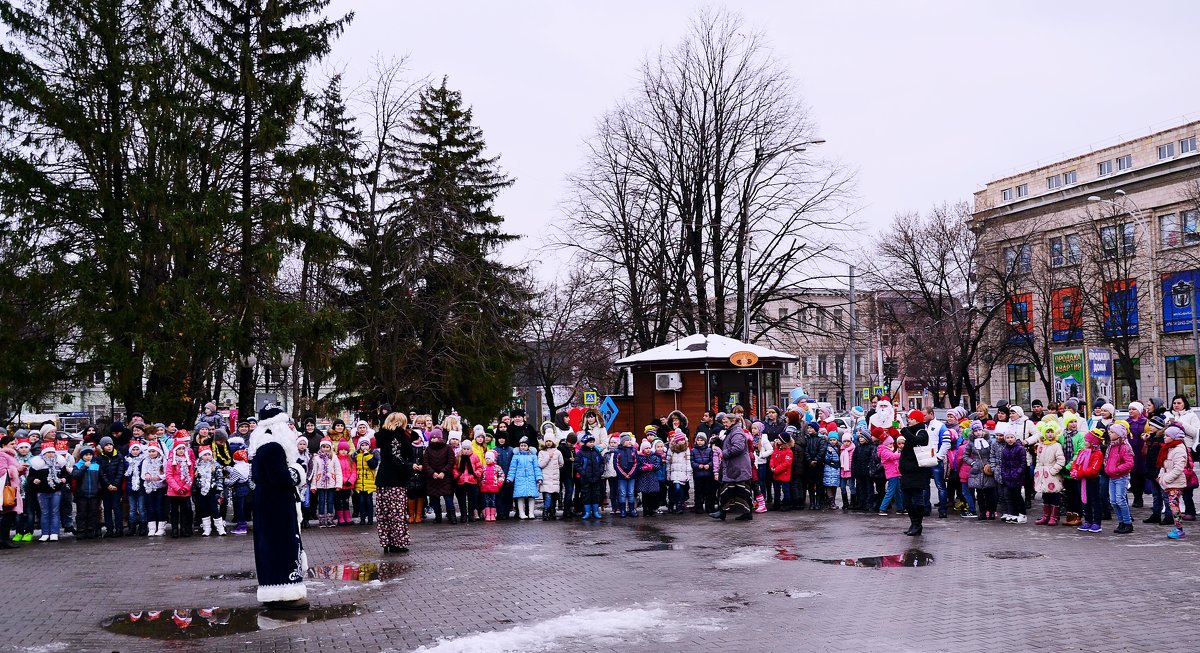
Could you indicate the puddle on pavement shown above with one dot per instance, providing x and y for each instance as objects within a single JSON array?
[
  {"x": 1014, "y": 555},
  {"x": 184, "y": 624},
  {"x": 784, "y": 554},
  {"x": 233, "y": 575},
  {"x": 363, "y": 573},
  {"x": 910, "y": 558}
]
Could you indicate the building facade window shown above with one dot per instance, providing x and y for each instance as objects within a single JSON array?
[
  {"x": 803, "y": 366},
  {"x": 1166, "y": 151},
  {"x": 1187, "y": 145},
  {"x": 1116, "y": 240},
  {"x": 1168, "y": 230},
  {"x": 1020, "y": 384},
  {"x": 1070, "y": 177},
  {"x": 1189, "y": 224},
  {"x": 1181, "y": 377},
  {"x": 1019, "y": 258},
  {"x": 802, "y": 318},
  {"x": 1053, "y": 182},
  {"x": 1125, "y": 162},
  {"x": 1105, "y": 168},
  {"x": 1023, "y": 190},
  {"x": 820, "y": 319},
  {"x": 837, "y": 317},
  {"x": 839, "y": 366},
  {"x": 783, "y": 314},
  {"x": 1124, "y": 393},
  {"x": 822, "y": 369},
  {"x": 1006, "y": 195}
]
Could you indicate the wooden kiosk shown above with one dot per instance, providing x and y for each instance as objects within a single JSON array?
[{"x": 698, "y": 373}]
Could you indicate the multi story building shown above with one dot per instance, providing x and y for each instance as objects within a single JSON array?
[{"x": 1093, "y": 246}]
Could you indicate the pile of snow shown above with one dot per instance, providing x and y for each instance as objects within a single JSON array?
[{"x": 608, "y": 626}]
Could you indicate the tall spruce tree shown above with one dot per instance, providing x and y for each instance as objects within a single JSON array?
[
  {"x": 254, "y": 56},
  {"x": 468, "y": 350}
]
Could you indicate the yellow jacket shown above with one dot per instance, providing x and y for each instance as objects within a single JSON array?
[{"x": 364, "y": 466}]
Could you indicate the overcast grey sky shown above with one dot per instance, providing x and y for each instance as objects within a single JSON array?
[{"x": 927, "y": 100}]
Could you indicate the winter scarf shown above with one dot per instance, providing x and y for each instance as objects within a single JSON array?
[
  {"x": 55, "y": 467},
  {"x": 1166, "y": 450},
  {"x": 239, "y": 472},
  {"x": 133, "y": 469}
]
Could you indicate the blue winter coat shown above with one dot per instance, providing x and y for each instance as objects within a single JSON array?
[
  {"x": 702, "y": 456},
  {"x": 833, "y": 467},
  {"x": 524, "y": 473},
  {"x": 504, "y": 456},
  {"x": 589, "y": 465},
  {"x": 648, "y": 481},
  {"x": 87, "y": 479}
]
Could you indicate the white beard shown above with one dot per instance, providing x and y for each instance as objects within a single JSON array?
[{"x": 274, "y": 430}]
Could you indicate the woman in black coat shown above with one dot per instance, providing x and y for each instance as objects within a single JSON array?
[
  {"x": 914, "y": 479},
  {"x": 397, "y": 464}
]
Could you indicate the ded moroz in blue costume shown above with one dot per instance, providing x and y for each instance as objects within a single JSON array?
[{"x": 279, "y": 558}]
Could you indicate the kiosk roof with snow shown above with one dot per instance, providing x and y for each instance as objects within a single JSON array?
[{"x": 699, "y": 347}]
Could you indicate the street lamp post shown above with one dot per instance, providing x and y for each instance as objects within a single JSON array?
[
  {"x": 760, "y": 162},
  {"x": 285, "y": 361},
  {"x": 1183, "y": 293},
  {"x": 1144, "y": 226}
]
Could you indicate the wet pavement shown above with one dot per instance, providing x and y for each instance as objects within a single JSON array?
[{"x": 783, "y": 582}]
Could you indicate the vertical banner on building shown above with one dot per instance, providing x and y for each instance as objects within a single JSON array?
[
  {"x": 1177, "y": 311},
  {"x": 1099, "y": 374},
  {"x": 1068, "y": 375}
]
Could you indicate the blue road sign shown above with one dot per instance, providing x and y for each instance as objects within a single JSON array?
[{"x": 608, "y": 409}]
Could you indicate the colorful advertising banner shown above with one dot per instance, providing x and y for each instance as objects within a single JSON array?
[
  {"x": 1068, "y": 375},
  {"x": 1099, "y": 374},
  {"x": 1177, "y": 315}
]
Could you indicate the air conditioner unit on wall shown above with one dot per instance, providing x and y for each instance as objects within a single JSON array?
[{"x": 668, "y": 381}]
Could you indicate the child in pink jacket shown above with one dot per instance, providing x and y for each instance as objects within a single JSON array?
[
  {"x": 341, "y": 499},
  {"x": 1118, "y": 463},
  {"x": 181, "y": 471},
  {"x": 490, "y": 483},
  {"x": 889, "y": 455}
]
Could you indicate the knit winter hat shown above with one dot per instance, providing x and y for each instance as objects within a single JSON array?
[
  {"x": 1173, "y": 432},
  {"x": 646, "y": 446},
  {"x": 106, "y": 442},
  {"x": 490, "y": 456},
  {"x": 325, "y": 442},
  {"x": 366, "y": 439},
  {"x": 87, "y": 449},
  {"x": 47, "y": 428},
  {"x": 678, "y": 437},
  {"x": 915, "y": 417},
  {"x": 761, "y": 427},
  {"x": 1072, "y": 404},
  {"x": 301, "y": 438},
  {"x": 650, "y": 428},
  {"x": 1109, "y": 408},
  {"x": 343, "y": 446},
  {"x": 1138, "y": 406},
  {"x": 1157, "y": 423},
  {"x": 846, "y": 437},
  {"x": 976, "y": 425},
  {"x": 701, "y": 437},
  {"x": 465, "y": 447},
  {"x": 478, "y": 430},
  {"x": 436, "y": 433},
  {"x": 1016, "y": 412},
  {"x": 1092, "y": 437},
  {"x": 1118, "y": 430}
]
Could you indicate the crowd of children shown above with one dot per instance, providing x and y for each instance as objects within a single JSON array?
[{"x": 147, "y": 478}]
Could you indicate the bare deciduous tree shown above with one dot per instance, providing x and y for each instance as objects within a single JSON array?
[{"x": 715, "y": 127}]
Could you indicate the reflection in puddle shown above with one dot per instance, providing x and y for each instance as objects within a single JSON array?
[
  {"x": 218, "y": 622},
  {"x": 363, "y": 573},
  {"x": 910, "y": 558},
  {"x": 662, "y": 546},
  {"x": 783, "y": 554},
  {"x": 233, "y": 575}
]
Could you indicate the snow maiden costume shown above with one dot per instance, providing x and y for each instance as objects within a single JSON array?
[{"x": 279, "y": 558}]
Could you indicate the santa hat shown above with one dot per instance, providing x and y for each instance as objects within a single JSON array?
[
  {"x": 325, "y": 441},
  {"x": 301, "y": 438},
  {"x": 241, "y": 455},
  {"x": 205, "y": 451},
  {"x": 135, "y": 443},
  {"x": 23, "y": 442},
  {"x": 155, "y": 446}
]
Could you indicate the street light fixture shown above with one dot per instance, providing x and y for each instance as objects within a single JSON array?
[{"x": 760, "y": 162}]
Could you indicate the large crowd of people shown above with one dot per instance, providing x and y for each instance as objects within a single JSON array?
[{"x": 153, "y": 480}]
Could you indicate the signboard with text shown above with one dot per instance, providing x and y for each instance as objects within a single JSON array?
[{"x": 1177, "y": 318}]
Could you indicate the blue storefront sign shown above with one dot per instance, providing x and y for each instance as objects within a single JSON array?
[{"x": 1177, "y": 318}]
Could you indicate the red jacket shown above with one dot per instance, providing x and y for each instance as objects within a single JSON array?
[
  {"x": 492, "y": 479},
  {"x": 1095, "y": 458},
  {"x": 470, "y": 475},
  {"x": 781, "y": 465}
]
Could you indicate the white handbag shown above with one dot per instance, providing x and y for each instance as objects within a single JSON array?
[{"x": 926, "y": 457}]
